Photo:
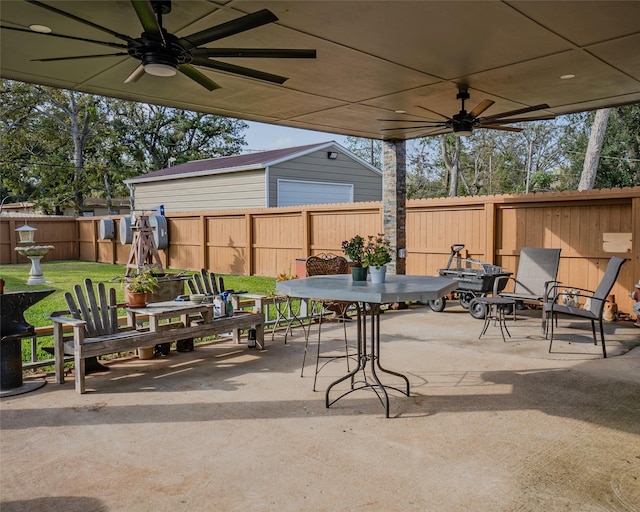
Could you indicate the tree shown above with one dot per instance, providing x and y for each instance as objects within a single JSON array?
[
  {"x": 592, "y": 156},
  {"x": 369, "y": 150},
  {"x": 620, "y": 156},
  {"x": 450, "y": 147},
  {"x": 425, "y": 178},
  {"x": 17, "y": 105},
  {"x": 54, "y": 142},
  {"x": 619, "y": 162},
  {"x": 156, "y": 137},
  {"x": 59, "y": 147}
]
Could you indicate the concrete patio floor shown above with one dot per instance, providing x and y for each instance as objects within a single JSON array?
[{"x": 489, "y": 426}]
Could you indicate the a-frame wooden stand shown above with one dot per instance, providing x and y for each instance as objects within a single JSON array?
[{"x": 144, "y": 253}]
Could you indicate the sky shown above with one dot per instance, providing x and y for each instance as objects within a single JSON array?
[{"x": 261, "y": 137}]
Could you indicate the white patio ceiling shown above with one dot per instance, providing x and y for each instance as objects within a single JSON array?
[{"x": 373, "y": 58}]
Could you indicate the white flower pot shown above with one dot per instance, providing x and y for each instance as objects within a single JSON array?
[{"x": 378, "y": 274}]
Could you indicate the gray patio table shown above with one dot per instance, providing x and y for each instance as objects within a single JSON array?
[{"x": 368, "y": 297}]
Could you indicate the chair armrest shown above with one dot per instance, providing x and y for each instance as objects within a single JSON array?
[
  {"x": 582, "y": 292},
  {"x": 496, "y": 284},
  {"x": 65, "y": 320},
  {"x": 549, "y": 286}
]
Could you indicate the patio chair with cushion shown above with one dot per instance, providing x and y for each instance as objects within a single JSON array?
[
  {"x": 593, "y": 305},
  {"x": 537, "y": 272},
  {"x": 327, "y": 264}
]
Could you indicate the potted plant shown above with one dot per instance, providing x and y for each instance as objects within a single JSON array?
[
  {"x": 139, "y": 286},
  {"x": 377, "y": 253},
  {"x": 354, "y": 250}
]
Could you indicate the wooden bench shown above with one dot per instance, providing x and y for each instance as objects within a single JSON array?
[{"x": 96, "y": 331}]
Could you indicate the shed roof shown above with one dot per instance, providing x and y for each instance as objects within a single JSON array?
[{"x": 245, "y": 162}]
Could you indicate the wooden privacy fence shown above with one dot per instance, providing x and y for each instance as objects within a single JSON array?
[{"x": 589, "y": 227}]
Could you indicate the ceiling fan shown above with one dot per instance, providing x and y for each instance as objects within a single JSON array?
[
  {"x": 463, "y": 123},
  {"x": 163, "y": 54}
]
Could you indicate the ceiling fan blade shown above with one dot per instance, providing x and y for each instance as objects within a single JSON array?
[
  {"x": 76, "y": 57},
  {"x": 414, "y": 127},
  {"x": 239, "y": 70},
  {"x": 254, "y": 20},
  {"x": 440, "y": 131},
  {"x": 86, "y": 22},
  {"x": 424, "y": 121},
  {"x": 503, "y": 128},
  {"x": 148, "y": 18},
  {"x": 270, "y": 53},
  {"x": 516, "y": 112},
  {"x": 51, "y": 34},
  {"x": 135, "y": 75},
  {"x": 434, "y": 112},
  {"x": 516, "y": 120},
  {"x": 481, "y": 107},
  {"x": 196, "y": 76}
]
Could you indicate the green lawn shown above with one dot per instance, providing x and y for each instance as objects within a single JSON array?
[{"x": 62, "y": 276}]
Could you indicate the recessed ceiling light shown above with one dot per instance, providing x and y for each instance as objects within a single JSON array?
[
  {"x": 400, "y": 111},
  {"x": 43, "y": 29},
  {"x": 567, "y": 77}
]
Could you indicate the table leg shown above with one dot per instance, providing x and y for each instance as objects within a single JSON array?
[
  {"x": 286, "y": 314},
  {"x": 363, "y": 357}
]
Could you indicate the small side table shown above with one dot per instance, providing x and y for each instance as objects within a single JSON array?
[{"x": 495, "y": 310}]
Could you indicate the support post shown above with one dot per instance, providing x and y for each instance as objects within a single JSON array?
[{"x": 394, "y": 197}]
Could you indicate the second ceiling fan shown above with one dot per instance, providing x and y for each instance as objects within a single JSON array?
[{"x": 463, "y": 123}]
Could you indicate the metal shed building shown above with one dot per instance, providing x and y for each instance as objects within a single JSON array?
[{"x": 311, "y": 174}]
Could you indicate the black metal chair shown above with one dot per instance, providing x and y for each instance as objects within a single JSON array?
[
  {"x": 327, "y": 264},
  {"x": 594, "y": 302}
]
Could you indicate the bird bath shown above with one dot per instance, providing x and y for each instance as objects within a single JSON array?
[{"x": 35, "y": 253}]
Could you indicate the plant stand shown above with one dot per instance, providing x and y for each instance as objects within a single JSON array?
[{"x": 144, "y": 253}]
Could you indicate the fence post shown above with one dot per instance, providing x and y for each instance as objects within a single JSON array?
[
  {"x": 490, "y": 238},
  {"x": 248, "y": 243},
  {"x": 204, "y": 241},
  {"x": 306, "y": 232}
]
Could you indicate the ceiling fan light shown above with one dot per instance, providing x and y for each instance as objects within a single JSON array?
[
  {"x": 159, "y": 69},
  {"x": 463, "y": 129},
  {"x": 159, "y": 64},
  {"x": 41, "y": 29}
]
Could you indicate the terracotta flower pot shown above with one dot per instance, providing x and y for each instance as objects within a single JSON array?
[{"x": 136, "y": 300}]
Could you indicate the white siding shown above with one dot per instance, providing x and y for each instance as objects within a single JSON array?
[{"x": 217, "y": 192}]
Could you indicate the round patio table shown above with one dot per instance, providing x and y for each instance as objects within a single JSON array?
[{"x": 495, "y": 310}]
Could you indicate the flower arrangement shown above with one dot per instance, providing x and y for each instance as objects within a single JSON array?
[
  {"x": 143, "y": 282},
  {"x": 377, "y": 251},
  {"x": 354, "y": 250}
]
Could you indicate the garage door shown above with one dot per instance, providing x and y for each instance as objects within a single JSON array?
[{"x": 295, "y": 193}]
